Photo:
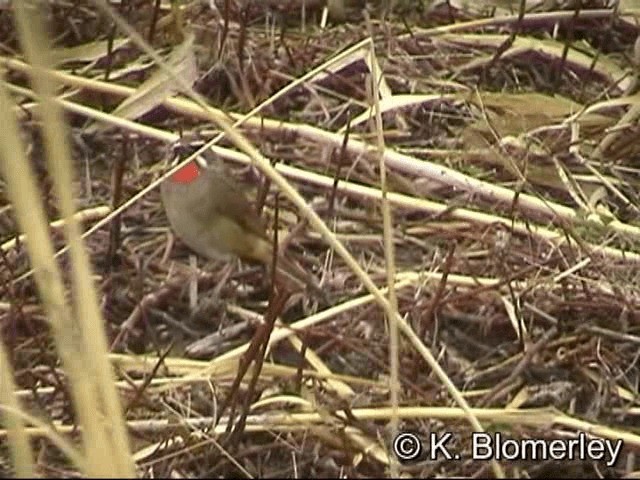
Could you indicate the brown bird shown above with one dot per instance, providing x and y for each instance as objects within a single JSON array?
[{"x": 210, "y": 212}]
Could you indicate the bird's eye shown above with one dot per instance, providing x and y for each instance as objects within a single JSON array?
[{"x": 185, "y": 146}]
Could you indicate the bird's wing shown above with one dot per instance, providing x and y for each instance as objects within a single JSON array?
[{"x": 237, "y": 205}]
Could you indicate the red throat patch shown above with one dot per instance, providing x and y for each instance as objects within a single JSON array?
[{"x": 187, "y": 174}]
